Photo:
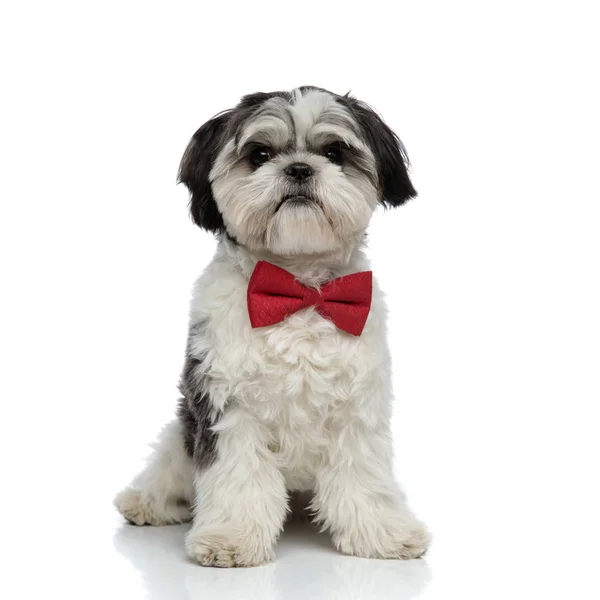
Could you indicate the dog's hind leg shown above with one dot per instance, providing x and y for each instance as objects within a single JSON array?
[{"x": 163, "y": 492}]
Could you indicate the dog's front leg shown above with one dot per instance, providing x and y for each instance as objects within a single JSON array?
[
  {"x": 358, "y": 499},
  {"x": 241, "y": 500}
]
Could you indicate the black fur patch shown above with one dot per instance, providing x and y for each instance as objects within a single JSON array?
[
  {"x": 195, "y": 167},
  {"x": 196, "y": 414},
  {"x": 392, "y": 161},
  {"x": 201, "y": 153}
]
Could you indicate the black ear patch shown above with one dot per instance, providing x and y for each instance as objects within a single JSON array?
[
  {"x": 392, "y": 161},
  {"x": 199, "y": 158},
  {"x": 195, "y": 167}
]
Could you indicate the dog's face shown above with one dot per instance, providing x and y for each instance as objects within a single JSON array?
[{"x": 294, "y": 172}]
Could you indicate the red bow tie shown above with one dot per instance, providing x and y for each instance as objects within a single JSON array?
[{"x": 274, "y": 294}]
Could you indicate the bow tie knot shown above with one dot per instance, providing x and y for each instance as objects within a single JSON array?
[
  {"x": 274, "y": 294},
  {"x": 312, "y": 297}
]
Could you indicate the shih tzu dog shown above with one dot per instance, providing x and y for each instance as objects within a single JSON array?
[{"x": 286, "y": 389}]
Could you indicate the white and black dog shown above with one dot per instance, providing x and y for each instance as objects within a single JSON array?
[{"x": 290, "y": 405}]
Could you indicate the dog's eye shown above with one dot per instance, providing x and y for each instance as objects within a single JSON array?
[
  {"x": 260, "y": 155},
  {"x": 334, "y": 154}
]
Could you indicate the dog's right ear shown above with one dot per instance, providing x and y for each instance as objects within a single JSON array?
[{"x": 194, "y": 171}]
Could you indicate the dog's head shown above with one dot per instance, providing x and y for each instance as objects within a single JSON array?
[{"x": 296, "y": 172}]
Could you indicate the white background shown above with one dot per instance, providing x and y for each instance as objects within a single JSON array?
[{"x": 492, "y": 277}]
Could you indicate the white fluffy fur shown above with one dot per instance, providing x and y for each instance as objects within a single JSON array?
[
  {"x": 298, "y": 406},
  {"x": 163, "y": 493},
  {"x": 312, "y": 412}
]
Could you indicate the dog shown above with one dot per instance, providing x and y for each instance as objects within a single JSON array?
[{"x": 286, "y": 390}]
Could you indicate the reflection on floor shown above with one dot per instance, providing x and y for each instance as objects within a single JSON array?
[{"x": 307, "y": 568}]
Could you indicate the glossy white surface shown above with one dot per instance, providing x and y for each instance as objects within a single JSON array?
[
  {"x": 306, "y": 567},
  {"x": 494, "y": 551}
]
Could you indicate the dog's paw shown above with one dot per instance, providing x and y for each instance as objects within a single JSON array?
[
  {"x": 391, "y": 540},
  {"x": 140, "y": 509},
  {"x": 212, "y": 547}
]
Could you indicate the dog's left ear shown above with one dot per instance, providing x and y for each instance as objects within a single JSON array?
[
  {"x": 392, "y": 161},
  {"x": 194, "y": 171}
]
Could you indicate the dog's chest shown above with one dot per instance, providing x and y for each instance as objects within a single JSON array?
[
  {"x": 304, "y": 381},
  {"x": 295, "y": 378},
  {"x": 305, "y": 359},
  {"x": 297, "y": 371}
]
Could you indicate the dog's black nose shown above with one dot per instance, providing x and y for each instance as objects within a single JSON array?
[{"x": 299, "y": 171}]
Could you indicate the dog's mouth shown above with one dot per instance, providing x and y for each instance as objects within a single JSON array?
[{"x": 297, "y": 200}]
